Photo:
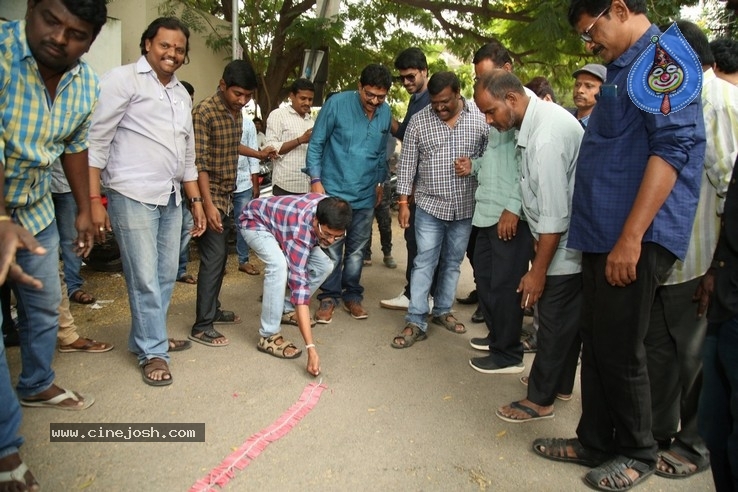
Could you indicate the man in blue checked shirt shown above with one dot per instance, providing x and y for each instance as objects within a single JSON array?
[{"x": 45, "y": 104}]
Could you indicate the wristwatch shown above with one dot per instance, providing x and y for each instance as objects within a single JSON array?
[{"x": 196, "y": 199}]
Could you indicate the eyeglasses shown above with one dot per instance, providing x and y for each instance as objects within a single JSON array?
[
  {"x": 330, "y": 236},
  {"x": 586, "y": 36},
  {"x": 370, "y": 96},
  {"x": 409, "y": 77}
]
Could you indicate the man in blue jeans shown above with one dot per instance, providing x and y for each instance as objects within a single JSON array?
[
  {"x": 247, "y": 186},
  {"x": 346, "y": 158},
  {"x": 289, "y": 233},
  {"x": 43, "y": 81},
  {"x": 437, "y": 137},
  {"x": 142, "y": 127}
]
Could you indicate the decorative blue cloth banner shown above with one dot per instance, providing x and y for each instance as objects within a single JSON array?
[{"x": 667, "y": 76}]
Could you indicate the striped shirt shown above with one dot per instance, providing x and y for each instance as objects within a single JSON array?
[
  {"x": 36, "y": 129},
  {"x": 285, "y": 124},
  {"x": 720, "y": 109},
  {"x": 289, "y": 218},
  {"x": 217, "y": 135},
  {"x": 428, "y": 152}
]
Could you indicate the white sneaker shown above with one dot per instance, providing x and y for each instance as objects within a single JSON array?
[{"x": 401, "y": 302}]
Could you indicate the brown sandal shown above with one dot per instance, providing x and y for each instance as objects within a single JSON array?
[
  {"x": 156, "y": 364},
  {"x": 449, "y": 322}
]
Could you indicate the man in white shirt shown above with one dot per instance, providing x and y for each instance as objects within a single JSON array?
[
  {"x": 143, "y": 145},
  {"x": 289, "y": 129}
]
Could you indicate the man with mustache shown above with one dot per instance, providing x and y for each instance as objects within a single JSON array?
[
  {"x": 288, "y": 130},
  {"x": 346, "y": 158},
  {"x": 587, "y": 82},
  {"x": 142, "y": 145},
  {"x": 43, "y": 79},
  {"x": 637, "y": 184},
  {"x": 431, "y": 167}
]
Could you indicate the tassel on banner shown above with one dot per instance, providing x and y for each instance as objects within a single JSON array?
[{"x": 254, "y": 445}]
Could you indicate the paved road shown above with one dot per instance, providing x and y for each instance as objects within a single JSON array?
[{"x": 414, "y": 419}]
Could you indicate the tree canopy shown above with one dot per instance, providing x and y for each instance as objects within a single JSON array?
[{"x": 276, "y": 33}]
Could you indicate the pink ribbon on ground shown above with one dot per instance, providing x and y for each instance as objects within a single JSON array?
[{"x": 254, "y": 445}]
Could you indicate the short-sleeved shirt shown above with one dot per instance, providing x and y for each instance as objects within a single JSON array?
[
  {"x": 615, "y": 150},
  {"x": 548, "y": 141},
  {"x": 427, "y": 160},
  {"x": 283, "y": 125},
  {"x": 289, "y": 218},
  {"x": 348, "y": 150},
  {"x": 34, "y": 129},
  {"x": 217, "y": 135}
]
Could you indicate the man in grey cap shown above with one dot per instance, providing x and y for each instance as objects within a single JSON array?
[{"x": 587, "y": 82}]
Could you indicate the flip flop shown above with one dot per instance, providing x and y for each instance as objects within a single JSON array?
[
  {"x": 179, "y": 345},
  {"x": 226, "y": 318},
  {"x": 90, "y": 346},
  {"x": 87, "y": 401},
  {"x": 18, "y": 474},
  {"x": 155, "y": 364},
  {"x": 206, "y": 338},
  {"x": 531, "y": 412}
]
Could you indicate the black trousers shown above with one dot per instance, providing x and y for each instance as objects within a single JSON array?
[
  {"x": 499, "y": 267},
  {"x": 560, "y": 315},
  {"x": 616, "y": 394},
  {"x": 674, "y": 353},
  {"x": 213, "y": 249}
]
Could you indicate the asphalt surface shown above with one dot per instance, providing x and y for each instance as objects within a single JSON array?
[{"x": 412, "y": 419}]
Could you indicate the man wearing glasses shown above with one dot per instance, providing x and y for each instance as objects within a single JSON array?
[
  {"x": 637, "y": 183},
  {"x": 289, "y": 233},
  {"x": 347, "y": 158}
]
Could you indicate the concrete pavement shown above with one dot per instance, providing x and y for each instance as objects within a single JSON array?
[{"x": 413, "y": 419}]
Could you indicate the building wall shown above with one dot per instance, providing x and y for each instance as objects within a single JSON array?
[
  {"x": 205, "y": 68},
  {"x": 118, "y": 42}
]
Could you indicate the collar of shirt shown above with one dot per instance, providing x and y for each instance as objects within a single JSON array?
[
  {"x": 143, "y": 66},
  {"x": 292, "y": 110},
  {"x": 629, "y": 56},
  {"x": 526, "y": 126}
]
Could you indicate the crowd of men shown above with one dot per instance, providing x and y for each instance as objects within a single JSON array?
[{"x": 606, "y": 219}]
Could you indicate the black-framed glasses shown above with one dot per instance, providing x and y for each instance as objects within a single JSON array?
[
  {"x": 409, "y": 77},
  {"x": 586, "y": 34},
  {"x": 330, "y": 236},
  {"x": 371, "y": 96}
]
